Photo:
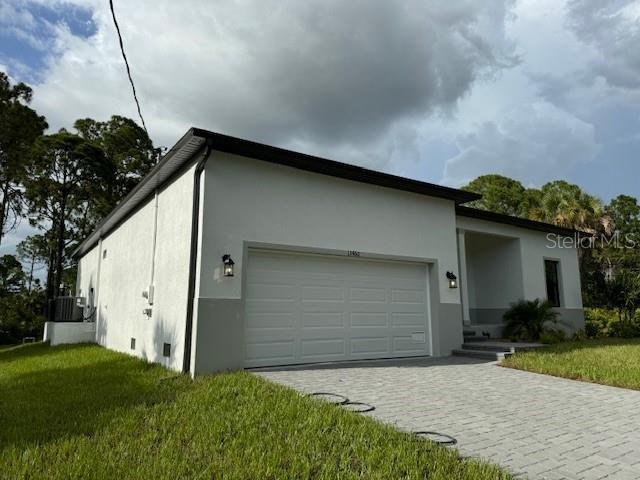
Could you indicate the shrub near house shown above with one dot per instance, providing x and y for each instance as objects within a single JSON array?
[
  {"x": 602, "y": 323},
  {"x": 528, "y": 320}
]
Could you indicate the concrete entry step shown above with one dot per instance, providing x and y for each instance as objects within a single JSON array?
[
  {"x": 495, "y": 331},
  {"x": 468, "y": 339},
  {"x": 494, "y": 350},
  {"x": 485, "y": 347},
  {"x": 484, "y": 354},
  {"x": 472, "y": 336},
  {"x": 501, "y": 346}
]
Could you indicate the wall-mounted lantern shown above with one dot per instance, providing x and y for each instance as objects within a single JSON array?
[
  {"x": 228, "y": 264},
  {"x": 453, "y": 280}
]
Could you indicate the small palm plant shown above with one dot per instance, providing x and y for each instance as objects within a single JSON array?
[{"x": 527, "y": 319}]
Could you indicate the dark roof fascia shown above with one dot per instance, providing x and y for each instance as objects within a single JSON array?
[
  {"x": 518, "y": 222},
  {"x": 325, "y": 166}
]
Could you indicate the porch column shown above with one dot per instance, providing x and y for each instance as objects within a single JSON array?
[{"x": 462, "y": 274}]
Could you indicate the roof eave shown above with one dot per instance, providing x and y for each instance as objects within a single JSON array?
[
  {"x": 152, "y": 181},
  {"x": 518, "y": 222},
  {"x": 330, "y": 167}
]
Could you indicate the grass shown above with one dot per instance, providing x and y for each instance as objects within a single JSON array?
[
  {"x": 613, "y": 362},
  {"x": 86, "y": 412}
]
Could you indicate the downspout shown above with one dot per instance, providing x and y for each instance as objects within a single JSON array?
[
  {"x": 154, "y": 243},
  {"x": 193, "y": 256},
  {"x": 96, "y": 296}
]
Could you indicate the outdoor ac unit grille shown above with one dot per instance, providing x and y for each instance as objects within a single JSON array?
[{"x": 66, "y": 309}]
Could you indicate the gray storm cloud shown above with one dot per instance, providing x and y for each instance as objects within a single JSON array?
[
  {"x": 613, "y": 28},
  {"x": 323, "y": 74},
  {"x": 534, "y": 143}
]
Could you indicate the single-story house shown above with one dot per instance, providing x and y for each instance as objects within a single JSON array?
[{"x": 233, "y": 254}]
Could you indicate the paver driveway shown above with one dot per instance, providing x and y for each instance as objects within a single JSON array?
[{"x": 533, "y": 425}]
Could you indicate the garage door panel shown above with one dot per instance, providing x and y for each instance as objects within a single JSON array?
[
  {"x": 265, "y": 291},
  {"x": 375, "y": 346},
  {"x": 323, "y": 319},
  {"x": 406, "y": 345},
  {"x": 270, "y": 306},
  {"x": 271, "y": 335},
  {"x": 322, "y": 348},
  {"x": 407, "y": 319},
  {"x": 332, "y": 308},
  {"x": 321, "y": 293},
  {"x": 407, "y": 295},
  {"x": 270, "y": 351},
  {"x": 310, "y": 277},
  {"x": 321, "y": 307},
  {"x": 375, "y": 295},
  {"x": 369, "y": 319},
  {"x": 266, "y": 320},
  {"x": 323, "y": 333}
]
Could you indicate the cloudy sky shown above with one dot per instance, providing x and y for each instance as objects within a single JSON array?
[{"x": 438, "y": 90}]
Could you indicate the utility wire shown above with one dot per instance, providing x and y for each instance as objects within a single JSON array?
[{"x": 126, "y": 62}]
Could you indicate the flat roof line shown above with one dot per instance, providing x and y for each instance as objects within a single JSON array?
[{"x": 516, "y": 221}]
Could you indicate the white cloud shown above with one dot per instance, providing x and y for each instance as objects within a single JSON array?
[
  {"x": 613, "y": 29},
  {"x": 328, "y": 76},
  {"x": 392, "y": 86},
  {"x": 534, "y": 143}
]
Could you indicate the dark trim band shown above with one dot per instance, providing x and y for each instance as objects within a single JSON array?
[{"x": 517, "y": 221}]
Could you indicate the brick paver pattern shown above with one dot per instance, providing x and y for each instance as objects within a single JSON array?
[{"x": 535, "y": 426}]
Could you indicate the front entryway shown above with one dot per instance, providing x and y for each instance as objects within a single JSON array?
[{"x": 304, "y": 308}]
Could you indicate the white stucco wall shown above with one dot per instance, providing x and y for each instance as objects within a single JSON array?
[
  {"x": 125, "y": 272},
  {"x": 255, "y": 201},
  {"x": 494, "y": 270},
  {"x": 248, "y": 203},
  {"x": 60, "y": 333},
  {"x": 87, "y": 278},
  {"x": 534, "y": 249}
]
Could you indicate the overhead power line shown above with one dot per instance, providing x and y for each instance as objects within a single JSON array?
[{"x": 126, "y": 62}]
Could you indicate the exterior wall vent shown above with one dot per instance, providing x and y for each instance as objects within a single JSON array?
[
  {"x": 166, "y": 350},
  {"x": 133, "y": 343},
  {"x": 104, "y": 253}
]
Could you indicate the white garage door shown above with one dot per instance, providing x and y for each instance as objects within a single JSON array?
[{"x": 315, "y": 308}]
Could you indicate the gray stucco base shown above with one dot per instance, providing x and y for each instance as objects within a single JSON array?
[
  {"x": 569, "y": 319},
  {"x": 486, "y": 316},
  {"x": 218, "y": 340},
  {"x": 218, "y": 336},
  {"x": 219, "y": 331},
  {"x": 446, "y": 329}
]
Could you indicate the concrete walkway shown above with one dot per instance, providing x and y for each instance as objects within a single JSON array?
[{"x": 535, "y": 426}]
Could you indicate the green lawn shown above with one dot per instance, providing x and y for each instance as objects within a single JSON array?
[
  {"x": 609, "y": 361},
  {"x": 86, "y": 412}
]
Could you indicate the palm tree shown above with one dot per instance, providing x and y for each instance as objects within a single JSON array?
[{"x": 566, "y": 205}]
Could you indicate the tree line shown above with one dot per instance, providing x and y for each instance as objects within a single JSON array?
[{"x": 62, "y": 184}]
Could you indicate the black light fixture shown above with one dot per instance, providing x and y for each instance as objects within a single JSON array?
[
  {"x": 228, "y": 264},
  {"x": 453, "y": 280}
]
